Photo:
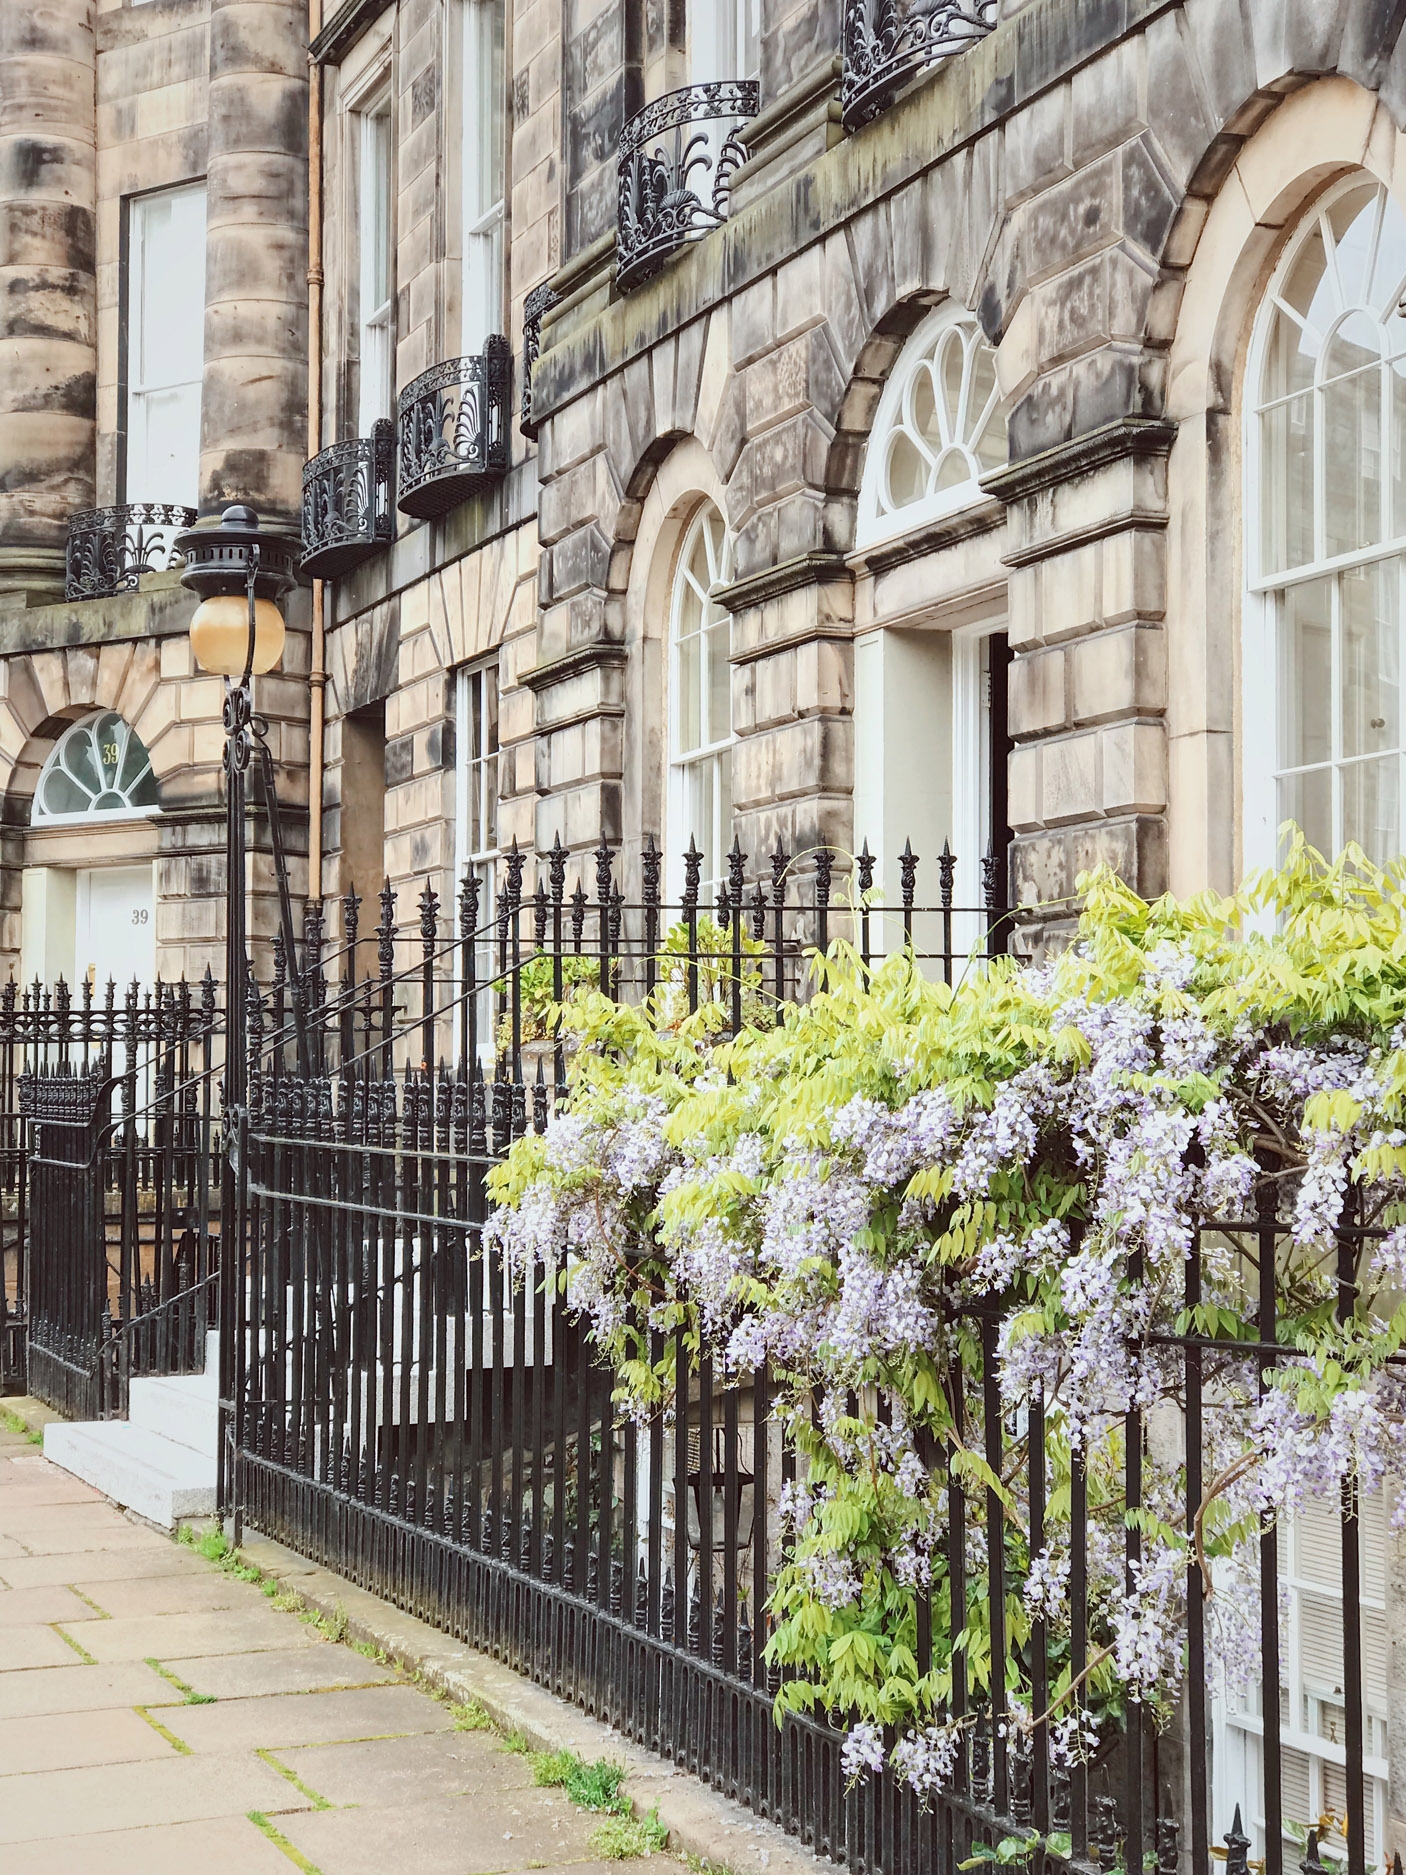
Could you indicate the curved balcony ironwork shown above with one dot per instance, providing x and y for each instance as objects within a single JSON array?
[
  {"x": 889, "y": 43},
  {"x": 454, "y": 422},
  {"x": 539, "y": 301},
  {"x": 676, "y": 164},
  {"x": 109, "y": 549},
  {"x": 347, "y": 502}
]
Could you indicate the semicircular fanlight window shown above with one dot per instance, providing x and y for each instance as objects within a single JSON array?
[{"x": 98, "y": 769}]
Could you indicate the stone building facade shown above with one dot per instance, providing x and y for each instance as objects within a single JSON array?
[
  {"x": 972, "y": 422},
  {"x": 805, "y": 422},
  {"x": 153, "y": 367}
]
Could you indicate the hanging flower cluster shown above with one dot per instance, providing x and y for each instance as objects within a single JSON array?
[{"x": 896, "y": 1183}]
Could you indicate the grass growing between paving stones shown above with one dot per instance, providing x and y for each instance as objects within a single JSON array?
[
  {"x": 187, "y": 1693},
  {"x": 11, "y": 1422},
  {"x": 314, "y": 1797},
  {"x": 619, "y": 1836},
  {"x": 620, "y": 1833},
  {"x": 280, "y": 1841},
  {"x": 77, "y": 1646}
]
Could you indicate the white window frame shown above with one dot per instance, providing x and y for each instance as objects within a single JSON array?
[
  {"x": 714, "y": 841},
  {"x": 143, "y": 382},
  {"x": 86, "y": 730},
  {"x": 375, "y": 204},
  {"x": 1260, "y": 770},
  {"x": 484, "y": 172},
  {"x": 878, "y": 519},
  {"x": 725, "y": 40}
]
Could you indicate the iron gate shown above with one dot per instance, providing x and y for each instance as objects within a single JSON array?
[{"x": 69, "y": 1318}]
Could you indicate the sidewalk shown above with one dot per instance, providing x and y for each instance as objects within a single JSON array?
[{"x": 158, "y": 1715}]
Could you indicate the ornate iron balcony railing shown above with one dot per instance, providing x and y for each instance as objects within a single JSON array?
[
  {"x": 109, "y": 549},
  {"x": 889, "y": 43},
  {"x": 347, "y": 502},
  {"x": 675, "y": 176},
  {"x": 539, "y": 301},
  {"x": 454, "y": 430}
]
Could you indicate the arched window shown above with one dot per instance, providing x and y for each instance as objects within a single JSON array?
[
  {"x": 700, "y": 697},
  {"x": 940, "y": 427},
  {"x": 98, "y": 769},
  {"x": 1323, "y": 737}
]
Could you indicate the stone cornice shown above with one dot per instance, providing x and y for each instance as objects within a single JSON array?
[
  {"x": 343, "y": 30},
  {"x": 806, "y": 569},
  {"x": 984, "y": 518},
  {"x": 575, "y": 663},
  {"x": 1080, "y": 455}
]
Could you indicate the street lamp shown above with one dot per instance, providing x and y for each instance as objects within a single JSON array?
[{"x": 237, "y": 633}]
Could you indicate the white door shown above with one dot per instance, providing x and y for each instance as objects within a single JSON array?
[{"x": 115, "y": 927}]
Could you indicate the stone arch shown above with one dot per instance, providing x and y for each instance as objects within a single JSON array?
[
  {"x": 1320, "y": 133},
  {"x": 46, "y": 691},
  {"x": 672, "y": 480}
]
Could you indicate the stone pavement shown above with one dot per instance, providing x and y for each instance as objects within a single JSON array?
[{"x": 158, "y": 1715}]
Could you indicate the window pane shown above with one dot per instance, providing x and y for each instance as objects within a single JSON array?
[
  {"x": 1287, "y": 444},
  {"x": 698, "y": 799},
  {"x": 1308, "y": 801},
  {"x": 1353, "y": 219},
  {"x": 1371, "y": 811},
  {"x": 1371, "y": 678},
  {"x": 1289, "y": 363},
  {"x": 1305, "y": 675},
  {"x": 907, "y": 472},
  {"x": 690, "y": 700},
  {"x": 719, "y": 680},
  {"x": 1352, "y": 409}
]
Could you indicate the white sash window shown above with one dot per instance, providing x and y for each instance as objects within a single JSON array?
[{"x": 165, "y": 320}]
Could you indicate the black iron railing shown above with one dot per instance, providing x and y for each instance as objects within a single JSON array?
[
  {"x": 109, "y": 549},
  {"x": 538, "y": 302},
  {"x": 676, "y": 164},
  {"x": 889, "y": 43},
  {"x": 347, "y": 502},
  {"x": 454, "y": 430}
]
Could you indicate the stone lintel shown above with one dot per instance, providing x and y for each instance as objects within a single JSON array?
[
  {"x": 819, "y": 568},
  {"x": 1110, "y": 442},
  {"x": 983, "y": 518},
  {"x": 573, "y": 664}
]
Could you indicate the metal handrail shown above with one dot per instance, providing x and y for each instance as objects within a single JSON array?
[{"x": 109, "y": 549}]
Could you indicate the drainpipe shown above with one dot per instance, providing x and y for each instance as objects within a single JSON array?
[{"x": 317, "y": 674}]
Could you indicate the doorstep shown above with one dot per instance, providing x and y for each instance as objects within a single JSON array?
[{"x": 700, "y": 1822}]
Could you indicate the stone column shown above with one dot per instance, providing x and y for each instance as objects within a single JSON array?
[
  {"x": 48, "y": 285},
  {"x": 253, "y": 423}
]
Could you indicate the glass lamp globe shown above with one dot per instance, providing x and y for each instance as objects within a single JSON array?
[{"x": 219, "y": 635}]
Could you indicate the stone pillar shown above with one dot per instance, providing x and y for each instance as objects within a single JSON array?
[
  {"x": 48, "y": 285},
  {"x": 253, "y": 423}
]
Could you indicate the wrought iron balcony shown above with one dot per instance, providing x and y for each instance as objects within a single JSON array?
[
  {"x": 539, "y": 301},
  {"x": 347, "y": 502},
  {"x": 889, "y": 43},
  {"x": 110, "y": 548},
  {"x": 454, "y": 430},
  {"x": 677, "y": 159}
]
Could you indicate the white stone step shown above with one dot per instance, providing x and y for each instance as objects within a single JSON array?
[
  {"x": 180, "y": 1407},
  {"x": 137, "y": 1468}
]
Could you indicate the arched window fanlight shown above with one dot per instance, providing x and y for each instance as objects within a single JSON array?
[
  {"x": 98, "y": 769},
  {"x": 700, "y": 697},
  {"x": 940, "y": 427},
  {"x": 1323, "y": 734}
]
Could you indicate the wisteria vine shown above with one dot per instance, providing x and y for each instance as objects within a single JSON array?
[{"x": 844, "y": 1190}]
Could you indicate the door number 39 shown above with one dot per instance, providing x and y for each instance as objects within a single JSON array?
[{"x": 141, "y": 917}]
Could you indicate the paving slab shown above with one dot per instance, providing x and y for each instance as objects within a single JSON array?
[
  {"x": 21, "y": 1607},
  {"x": 201, "y": 1591},
  {"x": 70, "y": 1740},
  {"x": 135, "y": 1796},
  {"x": 255, "y": 1628},
  {"x": 87, "y": 1568},
  {"x": 76, "y": 1688},
  {"x": 33, "y": 1646},
  {"x": 287, "y": 1720},
  {"x": 295, "y": 1670},
  {"x": 232, "y": 1843},
  {"x": 404, "y": 1771},
  {"x": 470, "y": 1835}
]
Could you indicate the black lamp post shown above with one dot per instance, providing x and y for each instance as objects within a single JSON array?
[{"x": 237, "y": 633}]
